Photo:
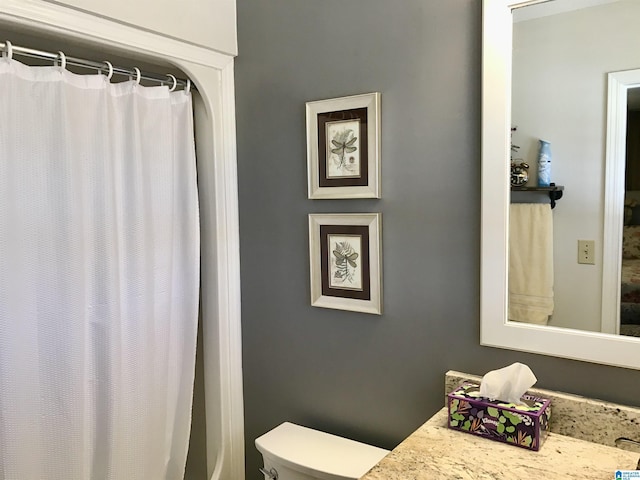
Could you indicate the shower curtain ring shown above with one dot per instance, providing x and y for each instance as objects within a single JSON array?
[
  {"x": 63, "y": 60},
  {"x": 137, "y": 70},
  {"x": 8, "y": 50},
  {"x": 174, "y": 80},
  {"x": 110, "y": 67},
  {"x": 188, "y": 87}
]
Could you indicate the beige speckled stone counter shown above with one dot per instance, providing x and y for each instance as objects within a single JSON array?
[{"x": 436, "y": 452}]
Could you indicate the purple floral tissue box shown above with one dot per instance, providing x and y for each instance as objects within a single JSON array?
[{"x": 525, "y": 425}]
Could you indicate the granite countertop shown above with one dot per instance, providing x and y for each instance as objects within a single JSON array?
[
  {"x": 583, "y": 418},
  {"x": 437, "y": 452}
]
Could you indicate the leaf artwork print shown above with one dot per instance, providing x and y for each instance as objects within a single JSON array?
[
  {"x": 343, "y": 149},
  {"x": 345, "y": 263}
]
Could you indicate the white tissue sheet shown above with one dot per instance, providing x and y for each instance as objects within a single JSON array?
[{"x": 508, "y": 384}]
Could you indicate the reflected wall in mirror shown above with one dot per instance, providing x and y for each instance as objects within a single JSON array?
[{"x": 563, "y": 51}]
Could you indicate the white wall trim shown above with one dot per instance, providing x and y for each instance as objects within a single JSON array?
[
  {"x": 228, "y": 281},
  {"x": 212, "y": 72},
  {"x": 613, "y": 204}
]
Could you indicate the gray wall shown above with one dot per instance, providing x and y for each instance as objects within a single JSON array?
[{"x": 371, "y": 378}]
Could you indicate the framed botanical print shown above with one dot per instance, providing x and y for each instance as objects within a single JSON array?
[
  {"x": 345, "y": 261},
  {"x": 343, "y": 147}
]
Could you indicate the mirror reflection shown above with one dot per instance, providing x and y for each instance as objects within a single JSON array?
[
  {"x": 630, "y": 261},
  {"x": 563, "y": 52}
]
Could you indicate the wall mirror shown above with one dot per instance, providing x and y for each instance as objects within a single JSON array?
[{"x": 555, "y": 75}]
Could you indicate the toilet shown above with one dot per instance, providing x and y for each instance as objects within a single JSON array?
[{"x": 294, "y": 452}]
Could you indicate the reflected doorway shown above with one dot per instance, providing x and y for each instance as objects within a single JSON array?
[{"x": 630, "y": 265}]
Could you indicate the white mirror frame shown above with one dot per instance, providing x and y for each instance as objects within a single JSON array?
[{"x": 495, "y": 329}]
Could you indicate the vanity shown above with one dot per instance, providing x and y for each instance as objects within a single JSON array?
[{"x": 580, "y": 446}]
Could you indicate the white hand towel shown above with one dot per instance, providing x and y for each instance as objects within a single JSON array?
[{"x": 530, "y": 263}]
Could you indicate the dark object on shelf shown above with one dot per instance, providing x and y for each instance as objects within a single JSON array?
[
  {"x": 519, "y": 174},
  {"x": 555, "y": 191}
]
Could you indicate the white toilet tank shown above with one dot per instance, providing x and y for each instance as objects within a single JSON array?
[{"x": 293, "y": 452}]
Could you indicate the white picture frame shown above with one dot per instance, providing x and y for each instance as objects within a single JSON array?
[
  {"x": 343, "y": 147},
  {"x": 346, "y": 261}
]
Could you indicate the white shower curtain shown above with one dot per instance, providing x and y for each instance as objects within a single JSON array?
[{"x": 99, "y": 275}]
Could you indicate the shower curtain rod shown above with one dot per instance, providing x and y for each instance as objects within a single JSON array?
[{"x": 98, "y": 66}]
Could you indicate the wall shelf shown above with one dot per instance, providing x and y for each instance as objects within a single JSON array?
[{"x": 554, "y": 191}]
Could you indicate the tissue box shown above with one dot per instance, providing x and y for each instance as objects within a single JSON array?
[{"x": 525, "y": 425}]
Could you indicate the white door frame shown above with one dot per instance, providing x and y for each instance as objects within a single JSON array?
[{"x": 618, "y": 84}]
